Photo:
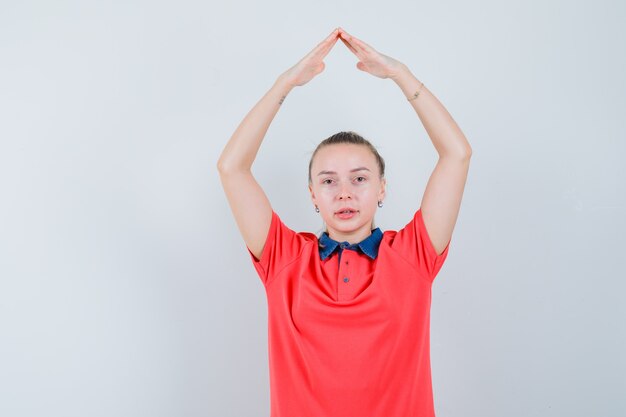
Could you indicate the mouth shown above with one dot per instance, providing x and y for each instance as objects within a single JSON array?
[
  {"x": 346, "y": 211},
  {"x": 346, "y": 214}
]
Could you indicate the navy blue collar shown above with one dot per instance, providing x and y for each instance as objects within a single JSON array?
[{"x": 368, "y": 246}]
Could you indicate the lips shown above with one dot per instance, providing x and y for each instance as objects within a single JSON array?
[{"x": 350, "y": 209}]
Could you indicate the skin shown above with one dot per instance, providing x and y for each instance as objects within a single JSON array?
[
  {"x": 332, "y": 192},
  {"x": 360, "y": 190},
  {"x": 370, "y": 60},
  {"x": 442, "y": 198}
]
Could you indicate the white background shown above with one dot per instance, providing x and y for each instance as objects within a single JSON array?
[{"x": 125, "y": 287}]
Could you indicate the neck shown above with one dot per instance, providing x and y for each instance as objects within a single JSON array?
[{"x": 352, "y": 237}]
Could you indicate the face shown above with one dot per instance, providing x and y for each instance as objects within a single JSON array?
[{"x": 337, "y": 183}]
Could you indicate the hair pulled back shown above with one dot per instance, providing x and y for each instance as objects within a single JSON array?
[{"x": 350, "y": 137}]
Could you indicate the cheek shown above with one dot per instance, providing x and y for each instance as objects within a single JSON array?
[{"x": 367, "y": 192}]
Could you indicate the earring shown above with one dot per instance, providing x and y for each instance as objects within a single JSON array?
[
  {"x": 380, "y": 203},
  {"x": 317, "y": 209}
]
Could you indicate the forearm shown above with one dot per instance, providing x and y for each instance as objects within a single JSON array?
[
  {"x": 443, "y": 131},
  {"x": 242, "y": 147}
]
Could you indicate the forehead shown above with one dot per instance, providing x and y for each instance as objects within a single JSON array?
[{"x": 343, "y": 157}]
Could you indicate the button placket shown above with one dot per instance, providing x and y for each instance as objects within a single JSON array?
[{"x": 344, "y": 287}]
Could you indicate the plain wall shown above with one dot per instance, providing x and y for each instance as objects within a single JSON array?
[{"x": 125, "y": 286}]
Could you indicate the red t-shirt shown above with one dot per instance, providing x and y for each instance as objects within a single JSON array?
[{"x": 356, "y": 347}]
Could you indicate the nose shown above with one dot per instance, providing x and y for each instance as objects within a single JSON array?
[{"x": 345, "y": 192}]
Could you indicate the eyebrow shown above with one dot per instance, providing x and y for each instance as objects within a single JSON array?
[{"x": 352, "y": 170}]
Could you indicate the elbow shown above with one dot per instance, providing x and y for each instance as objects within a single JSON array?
[
  {"x": 220, "y": 166},
  {"x": 223, "y": 164},
  {"x": 466, "y": 153},
  {"x": 462, "y": 155},
  {"x": 224, "y": 167},
  {"x": 465, "y": 150}
]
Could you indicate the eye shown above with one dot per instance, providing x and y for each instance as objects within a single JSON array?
[
  {"x": 327, "y": 179},
  {"x": 361, "y": 177}
]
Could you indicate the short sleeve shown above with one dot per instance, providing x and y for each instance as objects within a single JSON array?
[
  {"x": 282, "y": 246},
  {"x": 414, "y": 244}
]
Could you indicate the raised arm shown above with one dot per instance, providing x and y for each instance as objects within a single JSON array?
[
  {"x": 441, "y": 201},
  {"x": 442, "y": 198},
  {"x": 248, "y": 202}
]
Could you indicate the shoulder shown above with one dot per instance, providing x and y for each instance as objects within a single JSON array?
[
  {"x": 301, "y": 235},
  {"x": 308, "y": 237}
]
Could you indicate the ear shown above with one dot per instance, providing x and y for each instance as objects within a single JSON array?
[
  {"x": 312, "y": 193},
  {"x": 383, "y": 193}
]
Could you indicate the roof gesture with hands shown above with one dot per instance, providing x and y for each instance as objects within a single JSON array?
[
  {"x": 370, "y": 60},
  {"x": 442, "y": 197}
]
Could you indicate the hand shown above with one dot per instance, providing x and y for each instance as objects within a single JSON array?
[
  {"x": 312, "y": 64},
  {"x": 370, "y": 60}
]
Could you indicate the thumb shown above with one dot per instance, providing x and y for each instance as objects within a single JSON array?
[
  {"x": 360, "y": 66},
  {"x": 320, "y": 67}
]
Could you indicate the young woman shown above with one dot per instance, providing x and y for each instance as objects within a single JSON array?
[{"x": 348, "y": 311}]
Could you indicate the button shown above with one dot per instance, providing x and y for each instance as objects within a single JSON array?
[
  {"x": 346, "y": 279},
  {"x": 343, "y": 245}
]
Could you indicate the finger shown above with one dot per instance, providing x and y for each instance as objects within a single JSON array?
[
  {"x": 360, "y": 44},
  {"x": 350, "y": 40},
  {"x": 328, "y": 41},
  {"x": 319, "y": 54},
  {"x": 345, "y": 37},
  {"x": 350, "y": 47},
  {"x": 356, "y": 50},
  {"x": 331, "y": 41},
  {"x": 357, "y": 44},
  {"x": 325, "y": 46}
]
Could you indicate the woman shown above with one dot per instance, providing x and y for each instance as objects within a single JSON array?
[{"x": 348, "y": 311}]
